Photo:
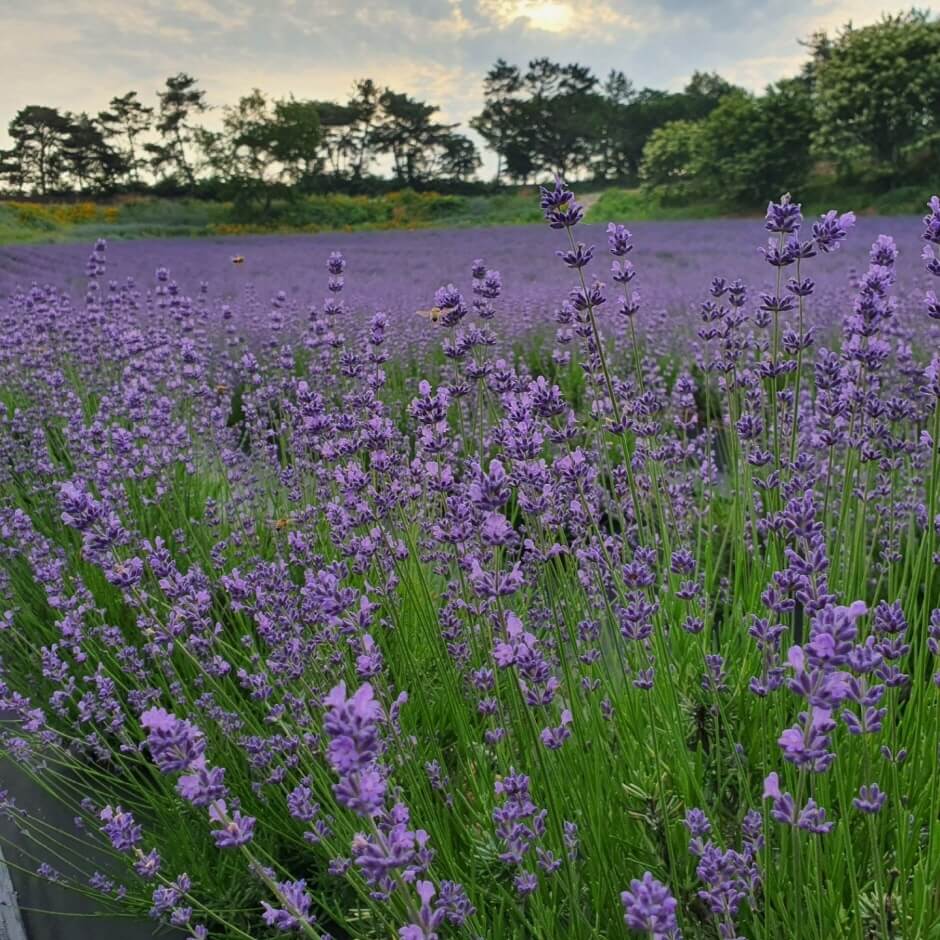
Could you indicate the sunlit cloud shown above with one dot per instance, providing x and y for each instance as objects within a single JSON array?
[
  {"x": 556, "y": 16},
  {"x": 550, "y": 17},
  {"x": 77, "y": 54},
  {"x": 759, "y": 71},
  {"x": 831, "y": 15}
]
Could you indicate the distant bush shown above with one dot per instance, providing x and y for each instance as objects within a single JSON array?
[{"x": 51, "y": 215}]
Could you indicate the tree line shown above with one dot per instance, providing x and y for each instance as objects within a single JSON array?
[
  {"x": 865, "y": 105},
  {"x": 864, "y": 108},
  {"x": 264, "y": 144}
]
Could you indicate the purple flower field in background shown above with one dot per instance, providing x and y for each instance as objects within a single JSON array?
[
  {"x": 398, "y": 273},
  {"x": 601, "y": 599}
]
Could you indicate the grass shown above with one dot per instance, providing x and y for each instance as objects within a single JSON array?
[
  {"x": 637, "y": 205},
  {"x": 152, "y": 217},
  {"x": 819, "y": 195}
]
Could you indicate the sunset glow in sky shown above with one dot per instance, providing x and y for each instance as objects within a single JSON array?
[{"x": 77, "y": 54}]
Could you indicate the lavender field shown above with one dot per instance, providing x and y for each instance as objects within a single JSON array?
[
  {"x": 559, "y": 582},
  {"x": 399, "y": 272}
]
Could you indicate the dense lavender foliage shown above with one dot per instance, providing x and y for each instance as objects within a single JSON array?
[
  {"x": 398, "y": 273},
  {"x": 568, "y": 609}
]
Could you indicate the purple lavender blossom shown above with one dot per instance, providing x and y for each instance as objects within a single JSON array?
[
  {"x": 235, "y": 829},
  {"x": 650, "y": 908},
  {"x": 120, "y": 828},
  {"x": 296, "y": 910},
  {"x": 174, "y": 744}
]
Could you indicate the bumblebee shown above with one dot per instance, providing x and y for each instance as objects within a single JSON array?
[
  {"x": 238, "y": 259},
  {"x": 434, "y": 314}
]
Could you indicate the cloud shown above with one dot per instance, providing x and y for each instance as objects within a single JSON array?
[
  {"x": 77, "y": 54},
  {"x": 224, "y": 16},
  {"x": 760, "y": 70},
  {"x": 546, "y": 15}
]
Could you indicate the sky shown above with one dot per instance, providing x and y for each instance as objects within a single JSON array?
[{"x": 77, "y": 54}]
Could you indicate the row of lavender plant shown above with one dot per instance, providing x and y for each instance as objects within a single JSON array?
[{"x": 638, "y": 645}]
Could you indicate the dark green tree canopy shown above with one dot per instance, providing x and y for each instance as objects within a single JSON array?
[
  {"x": 126, "y": 120},
  {"x": 877, "y": 89},
  {"x": 38, "y": 135},
  {"x": 865, "y": 103},
  {"x": 180, "y": 100}
]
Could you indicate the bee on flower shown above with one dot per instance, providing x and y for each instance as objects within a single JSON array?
[{"x": 433, "y": 314}]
